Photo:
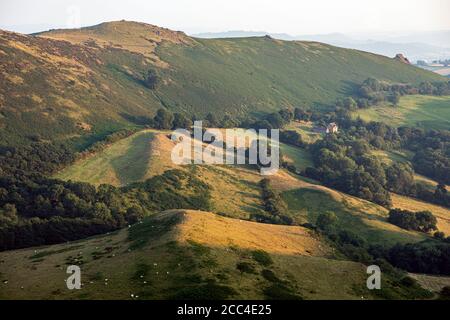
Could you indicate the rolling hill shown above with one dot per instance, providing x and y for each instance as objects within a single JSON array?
[
  {"x": 77, "y": 86},
  {"x": 88, "y": 82},
  {"x": 234, "y": 189},
  {"x": 186, "y": 255}
]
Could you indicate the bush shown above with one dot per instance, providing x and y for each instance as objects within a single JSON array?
[
  {"x": 262, "y": 257},
  {"x": 327, "y": 221},
  {"x": 246, "y": 267}
]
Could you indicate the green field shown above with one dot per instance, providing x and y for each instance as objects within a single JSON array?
[
  {"x": 305, "y": 129},
  {"x": 422, "y": 111},
  {"x": 366, "y": 219},
  {"x": 299, "y": 157},
  {"x": 123, "y": 162}
]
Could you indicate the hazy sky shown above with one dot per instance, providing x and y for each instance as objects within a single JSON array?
[{"x": 192, "y": 16}]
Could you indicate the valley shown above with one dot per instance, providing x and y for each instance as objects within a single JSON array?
[{"x": 87, "y": 179}]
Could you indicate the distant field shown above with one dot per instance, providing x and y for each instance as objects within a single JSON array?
[
  {"x": 121, "y": 163},
  {"x": 424, "y": 111},
  {"x": 301, "y": 158},
  {"x": 389, "y": 157},
  {"x": 305, "y": 129}
]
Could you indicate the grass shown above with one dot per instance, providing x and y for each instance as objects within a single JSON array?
[
  {"x": 75, "y": 92},
  {"x": 174, "y": 264},
  {"x": 150, "y": 229},
  {"x": 305, "y": 129},
  {"x": 300, "y": 158},
  {"x": 428, "y": 112},
  {"x": 124, "y": 162},
  {"x": 404, "y": 156},
  {"x": 361, "y": 217},
  {"x": 442, "y": 214}
]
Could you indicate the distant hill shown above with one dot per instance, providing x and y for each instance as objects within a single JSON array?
[
  {"x": 415, "y": 48},
  {"x": 76, "y": 84}
]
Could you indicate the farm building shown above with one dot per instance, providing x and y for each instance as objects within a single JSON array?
[{"x": 332, "y": 128}]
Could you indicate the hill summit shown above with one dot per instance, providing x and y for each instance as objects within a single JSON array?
[{"x": 79, "y": 83}]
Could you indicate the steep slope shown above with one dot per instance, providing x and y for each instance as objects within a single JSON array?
[
  {"x": 55, "y": 90},
  {"x": 189, "y": 255},
  {"x": 79, "y": 84}
]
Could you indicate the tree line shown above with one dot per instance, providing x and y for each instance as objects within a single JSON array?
[
  {"x": 37, "y": 210},
  {"x": 373, "y": 92}
]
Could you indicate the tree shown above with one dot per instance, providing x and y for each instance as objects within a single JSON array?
[
  {"x": 301, "y": 114},
  {"x": 327, "y": 221},
  {"x": 350, "y": 104},
  {"x": 134, "y": 214},
  {"x": 8, "y": 214},
  {"x": 423, "y": 221},
  {"x": 101, "y": 211},
  {"x": 395, "y": 98},
  {"x": 164, "y": 119},
  {"x": 151, "y": 80},
  {"x": 211, "y": 120},
  {"x": 275, "y": 120},
  {"x": 292, "y": 137},
  {"x": 287, "y": 114},
  {"x": 439, "y": 235},
  {"x": 180, "y": 121},
  {"x": 400, "y": 178}
]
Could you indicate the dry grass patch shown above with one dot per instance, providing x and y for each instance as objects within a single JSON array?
[
  {"x": 216, "y": 231},
  {"x": 431, "y": 283},
  {"x": 442, "y": 214}
]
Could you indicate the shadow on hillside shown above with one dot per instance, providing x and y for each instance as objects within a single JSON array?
[{"x": 132, "y": 166}]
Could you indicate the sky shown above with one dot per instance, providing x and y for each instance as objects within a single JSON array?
[{"x": 294, "y": 17}]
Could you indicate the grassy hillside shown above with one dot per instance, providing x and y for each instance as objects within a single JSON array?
[
  {"x": 186, "y": 254},
  {"x": 82, "y": 84},
  {"x": 260, "y": 74},
  {"x": 358, "y": 216},
  {"x": 423, "y": 111},
  {"x": 124, "y": 162},
  {"x": 235, "y": 190}
]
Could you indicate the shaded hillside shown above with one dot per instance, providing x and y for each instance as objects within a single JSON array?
[{"x": 98, "y": 79}]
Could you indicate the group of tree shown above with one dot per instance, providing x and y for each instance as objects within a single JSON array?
[
  {"x": 274, "y": 205},
  {"x": 430, "y": 256},
  {"x": 431, "y": 159},
  {"x": 423, "y": 221},
  {"x": 373, "y": 92},
  {"x": 166, "y": 120},
  {"x": 293, "y": 138},
  {"x": 274, "y": 120},
  {"x": 37, "y": 210},
  {"x": 345, "y": 164}
]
